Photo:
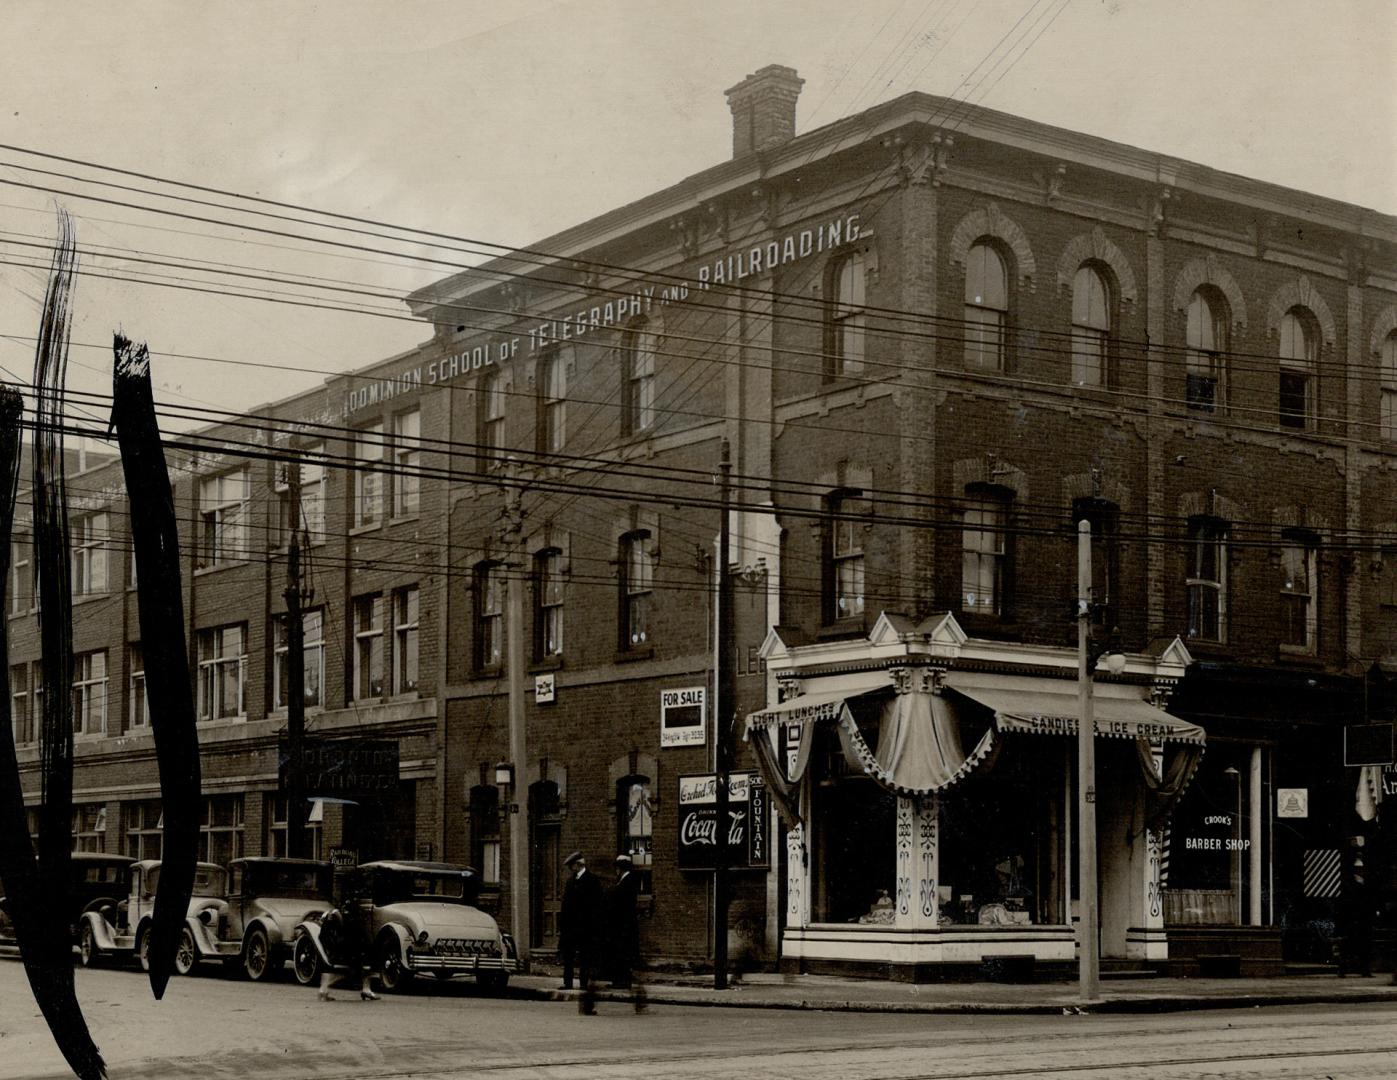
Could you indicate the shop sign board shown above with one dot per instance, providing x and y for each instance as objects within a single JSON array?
[
  {"x": 682, "y": 717},
  {"x": 544, "y": 689},
  {"x": 1292, "y": 802},
  {"x": 1369, "y": 744},
  {"x": 343, "y": 858},
  {"x": 343, "y": 768},
  {"x": 748, "y": 843}
]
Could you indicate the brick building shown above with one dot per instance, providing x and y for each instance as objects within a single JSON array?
[{"x": 934, "y": 337}]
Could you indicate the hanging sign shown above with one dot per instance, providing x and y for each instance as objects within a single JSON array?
[
  {"x": 748, "y": 845},
  {"x": 1292, "y": 802},
  {"x": 682, "y": 717}
]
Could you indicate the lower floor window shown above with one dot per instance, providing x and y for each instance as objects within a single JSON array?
[
  {"x": 221, "y": 830},
  {"x": 145, "y": 829},
  {"x": 275, "y": 815},
  {"x": 90, "y": 827}
]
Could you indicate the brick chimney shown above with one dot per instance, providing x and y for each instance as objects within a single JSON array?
[{"x": 764, "y": 109}]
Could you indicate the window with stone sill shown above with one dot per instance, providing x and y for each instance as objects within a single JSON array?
[
  {"x": 984, "y": 552},
  {"x": 638, "y": 351},
  {"x": 1206, "y": 580},
  {"x": 368, "y": 647},
  {"x": 1205, "y": 356},
  {"x": 490, "y": 588},
  {"x": 90, "y": 693},
  {"x": 369, "y": 452},
  {"x": 986, "y": 310},
  {"x": 847, "y": 318},
  {"x": 223, "y": 502},
  {"x": 1299, "y": 354},
  {"x": 637, "y": 564},
  {"x": 1091, "y": 326},
  {"x": 1299, "y": 569},
  {"x": 847, "y": 527}
]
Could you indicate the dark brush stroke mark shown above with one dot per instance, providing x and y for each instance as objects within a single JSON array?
[
  {"x": 38, "y": 889},
  {"x": 155, "y": 541}
]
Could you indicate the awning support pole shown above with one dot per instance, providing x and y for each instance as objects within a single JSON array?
[{"x": 1088, "y": 977}]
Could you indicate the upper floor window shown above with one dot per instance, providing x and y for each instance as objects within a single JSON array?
[
  {"x": 552, "y": 402},
  {"x": 368, "y": 646},
  {"x": 405, "y": 614},
  {"x": 90, "y": 693},
  {"x": 24, "y": 593},
  {"x": 1091, "y": 326},
  {"x": 986, "y": 308},
  {"x": 848, "y": 523},
  {"x": 222, "y": 668},
  {"x": 1299, "y": 353},
  {"x": 983, "y": 551},
  {"x": 20, "y": 720},
  {"x": 1389, "y": 387},
  {"x": 368, "y": 480},
  {"x": 407, "y": 461},
  {"x": 548, "y": 604},
  {"x": 1207, "y": 579},
  {"x": 223, "y": 517},
  {"x": 1299, "y": 573},
  {"x": 308, "y": 515},
  {"x": 89, "y": 538},
  {"x": 489, "y": 615},
  {"x": 847, "y": 316},
  {"x": 490, "y": 408},
  {"x": 312, "y": 659},
  {"x": 637, "y": 584},
  {"x": 638, "y": 408},
  {"x": 1206, "y": 340},
  {"x": 140, "y": 705}
]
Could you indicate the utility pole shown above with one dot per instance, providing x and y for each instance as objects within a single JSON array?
[
  {"x": 518, "y": 746},
  {"x": 1088, "y": 977},
  {"x": 722, "y": 716},
  {"x": 296, "y": 846}
]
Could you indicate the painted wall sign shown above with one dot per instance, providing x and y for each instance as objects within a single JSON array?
[
  {"x": 748, "y": 849},
  {"x": 609, "y": 309},
  {"x": 1293, "y": 802},
  {"x": 344, "y": 767},
  {"x": 682, "y": 715}
]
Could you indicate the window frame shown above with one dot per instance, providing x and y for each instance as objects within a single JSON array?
[
  {"x": 370, "y": 643},
  {"x": 223, "y": 521},
  {"x": 1104, "y": 517},
  {"x": 1387, "y": 404},
  {"x": 370, "y": 452},
  {"x": 211, "y": 663},
  {"x": 209, "y": 827},
  {"x": 312, "y": 646},
  {"x": 1195, "y": 583},
  {"x": 21, "y": 719},
  {"x": 24, "y": 586},
  {"x": 1298, "y": 322},
  {"x": 491, "y": 413},
  {"x": 549, "y": 600},
  {"x": 1307, "y": 545},
  {"x": 487, "y": 615},
  {"x": 981, "y": 314},
  {"x": 847, "y": 314},
  {"x": 552, "y": 402},
  {"x": 1091, "y": 341},
  {"x": 89, "y": 692},
  {"x": 980, "y": 501},
  {"x": 135, "y": 826},
  {"x": 91, "y": 556},
  {"x": 1206, "y": 343},
  {"x": 310, "y": 515},
  {"x": 842, "y": 523},
  {"x": 407, "y": 615},
  {"x": 136, "y": 666},
  {"x": 407, "y": 463},
  {"x": 639, "y": 844},
  {"x": 636, "y": 590},
  {"x": 640, "y": 347}
]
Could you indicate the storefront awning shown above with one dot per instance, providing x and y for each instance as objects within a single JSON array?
[{"x": 1050, "y": 707}]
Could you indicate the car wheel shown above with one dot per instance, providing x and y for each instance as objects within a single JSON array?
[
  {"x": 143, "y": 950},
  {"x": 305, "y": 962},
  {"x": 492, "y": 981},
  {"x": 88, "y": 949},
  {"x": 187, "y": 955},
  {"x": 257, "y": 956},
  {"x": 391, "y": 972}
]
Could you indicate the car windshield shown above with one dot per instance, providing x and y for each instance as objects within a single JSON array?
[
  {"x": 208, "y": 881},
  {"x": 304, "y": 882},
  {"x": 396, "y": 888},
  {"x": 101, "y": 873}
]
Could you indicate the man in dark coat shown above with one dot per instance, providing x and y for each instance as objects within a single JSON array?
[
  {"x": 623, "y": 927},
  {"x": 1356, "y": 906},
  {"x": 580, "y": 927}
]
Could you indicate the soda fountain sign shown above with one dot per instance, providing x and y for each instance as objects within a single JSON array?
[{"x": 698, "y": 822}]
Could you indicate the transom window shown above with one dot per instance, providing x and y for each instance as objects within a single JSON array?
[
  {"x": 548, "y": 596},
  {"x": 313, "y": 659},
  {"x": 1299, "y": 565},
  {"x": 223, "y": 518},
  {"x": 847, "y": 318},
  {"x": 222, "y": 667},
  {"x": 368, "y": 480},
  {"x": 1206, "y": 339},
  {"x": 1091, "y": 326},
  {"x": 638, "y": 413},
  {"x": 90, "y": 533},
  {"x": 90, "y": 693},
  {"x": 489, "y": 615},
  {"x": 982, "y": 555},
  {"x": 1299, "y": 352},
  {"x": 368, "y": 647},
  {"x": 986, "y": 308},
  {"x": 637, "y": 583},
  {"x": 848, "y": 524},
  {"x": 1207, "y": 579},
  {"x": 552, "y": 403}
]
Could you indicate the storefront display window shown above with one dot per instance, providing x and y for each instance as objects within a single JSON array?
[
  {"x": 1209, "y": 843},
  {"x": 854, "y": 817}
]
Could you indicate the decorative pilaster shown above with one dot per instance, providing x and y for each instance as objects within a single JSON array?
[
  {"x": 917, "y": 862},
  {"x": 797, "y": 879}
]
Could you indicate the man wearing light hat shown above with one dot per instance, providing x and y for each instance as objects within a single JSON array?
[
  {"x": 623, "y": 927},
  {"x": 579, "y": 928}
]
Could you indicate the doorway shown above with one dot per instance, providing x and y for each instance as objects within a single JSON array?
[{"x": 545, "y": 870}]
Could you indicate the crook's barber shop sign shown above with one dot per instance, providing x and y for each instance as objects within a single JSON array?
[{"x": 748, "y": 842}]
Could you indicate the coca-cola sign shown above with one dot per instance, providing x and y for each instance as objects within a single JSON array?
[{"x": 698, "y": 822}]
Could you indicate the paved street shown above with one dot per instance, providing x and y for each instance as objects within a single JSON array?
[{"x": 211, "y": 1026}]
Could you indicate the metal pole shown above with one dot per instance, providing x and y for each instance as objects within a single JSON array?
[
  {"x": 518, "y": 748},
  {"x": 1254, "y": 838},
  {"x": 295, "y": 688},
  {"x": 1088, "y": 977},
  {"x": 722, "y": 715}
]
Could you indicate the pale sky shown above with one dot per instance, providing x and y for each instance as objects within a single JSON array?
[{"x": 460, "y": 118}]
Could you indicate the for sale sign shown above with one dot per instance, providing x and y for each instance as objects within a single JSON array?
[
  {"x": 682, "y": 717},
  {"x": 746, "y": 826}
]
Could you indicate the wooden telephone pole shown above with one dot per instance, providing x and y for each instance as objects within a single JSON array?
[
  {"x": 297, "y": 846},
  {"x": 723, "y": 708}
]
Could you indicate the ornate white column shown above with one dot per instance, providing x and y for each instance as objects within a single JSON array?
[
  {"x": 918, "y": 862},
  {"x": 797, "y": 879}
]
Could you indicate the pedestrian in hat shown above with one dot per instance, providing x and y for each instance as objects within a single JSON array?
[
  {"x": 580, "y": 929},
  {"x": 623, "y": 927}
]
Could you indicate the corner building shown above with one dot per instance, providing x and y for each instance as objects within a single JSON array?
[{"x": 934, "y": 337}]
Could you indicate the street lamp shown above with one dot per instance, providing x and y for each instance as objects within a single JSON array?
[{"x": 504, "y": 774}]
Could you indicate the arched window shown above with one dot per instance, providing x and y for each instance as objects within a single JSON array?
[
  {"x": 1207, "y": 342},
  {"x": 1389, "y": 387},
  {"x": 1206, "y": 579},
  {"x": 1091, "y": 326},
  {"x": 847, "y": 316},
  {"x": 638, "y": 405},
  {"x": 1299, "y": 351},
  {"x": 635, "y": 824},
  {"x": 986, "y": 308}
]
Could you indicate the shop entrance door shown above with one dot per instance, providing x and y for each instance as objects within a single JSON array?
[{"x": 545, "y": 871}]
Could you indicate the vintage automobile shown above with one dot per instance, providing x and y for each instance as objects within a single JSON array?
[
  {"x": 424, "y": 920},
  {"x": 253, "y": 924},
  {"x": 97, "y": 881},
  {"x": 117, "y": 929}
]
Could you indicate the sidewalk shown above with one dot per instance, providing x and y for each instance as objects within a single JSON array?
[{"x": 820, "y": 992}]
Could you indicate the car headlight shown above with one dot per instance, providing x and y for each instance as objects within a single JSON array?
[
  {"x": 422, "y": 940},
  {"x": 206, "y": 916}
]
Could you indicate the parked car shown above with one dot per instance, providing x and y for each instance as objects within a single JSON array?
[
  {"x": 254, "y": 923},
  {"x": 97, "y": 881},
  {"x": 118, "y": 929},
  {"x": 424, "y": 920}
]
